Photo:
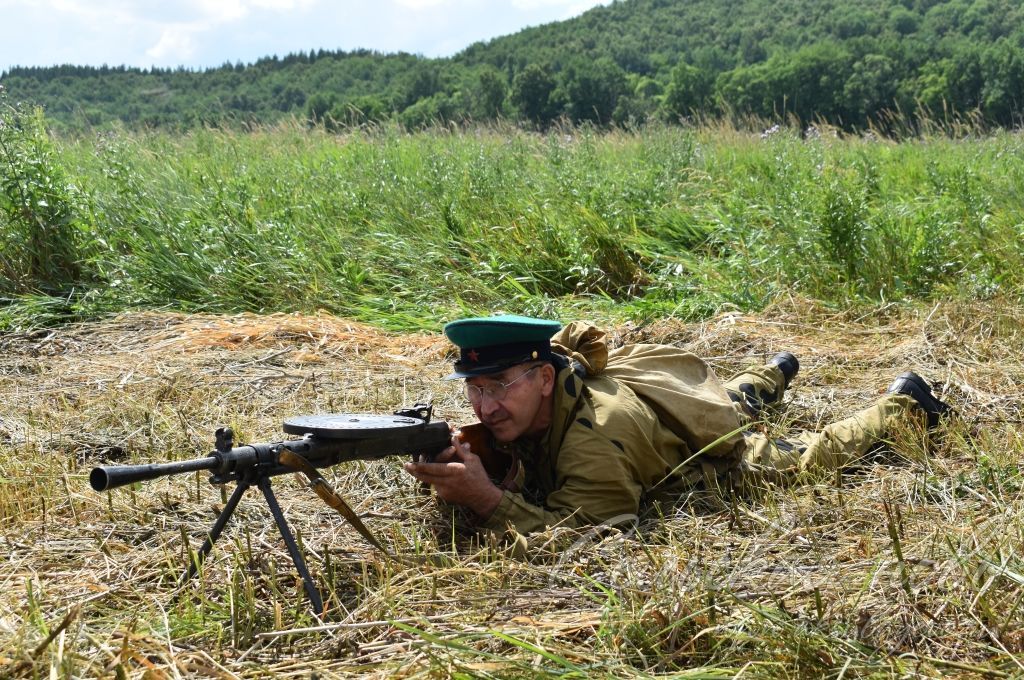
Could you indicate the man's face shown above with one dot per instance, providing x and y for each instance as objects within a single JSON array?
[{"x": 525, "y": 407}]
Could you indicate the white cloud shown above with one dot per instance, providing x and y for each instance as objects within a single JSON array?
[
  {"x": 423, "y": 4},
  {"x": 160, "y": 13},
  {"x": 221, "y": 11},
  {"x": 283, "y": 5},
  {"x": 176, "y": 44},
  {"x": 90, "y": 12},
  {"x": 179, "y": 41}
]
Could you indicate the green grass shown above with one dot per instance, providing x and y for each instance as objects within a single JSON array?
[
  {"x": 911, "y": 567},
  {"x": 408, "y": 230}
]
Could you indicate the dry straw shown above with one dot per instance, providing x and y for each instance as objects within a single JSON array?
[{"x": 910, "y": 564}]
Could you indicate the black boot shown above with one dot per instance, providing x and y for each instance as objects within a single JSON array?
[
  {"x": 915, "y": 387},
  {"x": 787, "y": 363},
  {"x": 748, "y": 395}
]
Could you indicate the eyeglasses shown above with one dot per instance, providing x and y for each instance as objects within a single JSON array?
[{"x": 496, "y": 392}]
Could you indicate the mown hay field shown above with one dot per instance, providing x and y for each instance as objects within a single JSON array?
[{"x": 909, "y": 565}]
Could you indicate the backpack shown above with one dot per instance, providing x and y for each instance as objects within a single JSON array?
[{"x": 677, "y": 385}]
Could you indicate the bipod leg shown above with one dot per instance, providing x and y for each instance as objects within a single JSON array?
[
  {"x": 293, "y": 547},
  {"x": 215, "y": 532}
]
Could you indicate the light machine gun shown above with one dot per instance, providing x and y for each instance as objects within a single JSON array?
[{"x": 326, "y": 440}]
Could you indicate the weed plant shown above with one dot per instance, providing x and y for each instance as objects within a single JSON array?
[{"x": 405, "y": 230}]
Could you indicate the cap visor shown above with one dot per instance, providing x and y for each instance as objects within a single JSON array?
[{"x": 474, "y": 372}]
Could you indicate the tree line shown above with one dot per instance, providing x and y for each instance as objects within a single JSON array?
[{"x": 851, "y": 64}]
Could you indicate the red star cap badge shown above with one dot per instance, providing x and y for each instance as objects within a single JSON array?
[{"x": 473, "y": 356}]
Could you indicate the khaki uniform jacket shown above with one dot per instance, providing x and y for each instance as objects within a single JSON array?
[{"x": 643, "y": 422}]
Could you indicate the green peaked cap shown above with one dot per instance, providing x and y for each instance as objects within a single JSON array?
[{"x": 490, "y": 344}]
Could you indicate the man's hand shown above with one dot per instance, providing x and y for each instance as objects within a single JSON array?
[{"x": 459, "y": 477}]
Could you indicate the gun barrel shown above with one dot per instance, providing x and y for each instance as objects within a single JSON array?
[
  {"x": 113, "y": 476},
  {"x": 319, "y": 451}
]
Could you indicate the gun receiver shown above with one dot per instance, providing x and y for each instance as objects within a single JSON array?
[{"x": 325, "y": 440}]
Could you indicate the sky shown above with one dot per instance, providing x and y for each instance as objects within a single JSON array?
[{"x": 201, "y": 34}]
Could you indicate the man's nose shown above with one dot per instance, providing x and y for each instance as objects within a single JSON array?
[{"x": 488, "y": 404}]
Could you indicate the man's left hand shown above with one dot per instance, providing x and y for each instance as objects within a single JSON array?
[{"x": 459, "y": 477}]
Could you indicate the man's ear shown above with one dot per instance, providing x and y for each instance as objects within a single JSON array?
[{"x": 547, "y": 377}]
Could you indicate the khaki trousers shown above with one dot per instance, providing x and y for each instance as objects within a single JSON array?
[{"x": 836, "y": 446}]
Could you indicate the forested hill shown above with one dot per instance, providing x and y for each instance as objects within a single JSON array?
[{"x": 633, "y": 60}]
